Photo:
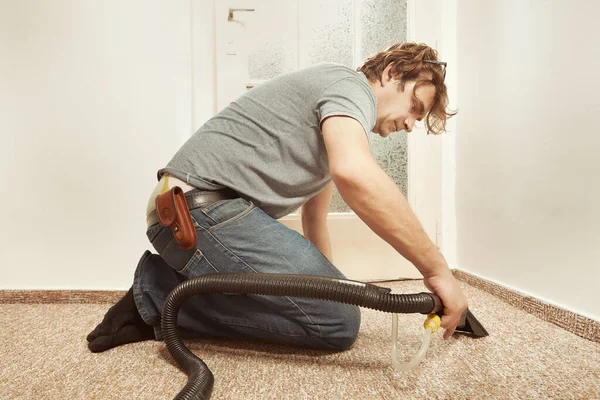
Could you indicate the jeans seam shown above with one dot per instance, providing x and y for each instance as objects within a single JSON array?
[
  {"x": 241, "y": 215},
  {"x": 194, "y": 260},
  {"x": 140, "y": 305},
  {"x": 157, "y": 294},
  {"x": 168, "y": 245},
  {"x": 138, "y": 297},
  {"x": 257, "y": 327},
  {"x": 229, "y": 252},
  {"x": 307, "y": 316},
  {"x": 205, "y": 210}
]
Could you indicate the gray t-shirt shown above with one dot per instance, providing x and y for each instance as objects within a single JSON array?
[{"x": 267, "y": 145}]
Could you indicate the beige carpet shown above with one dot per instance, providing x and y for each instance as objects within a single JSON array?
[{"x": 44, "y": 356}]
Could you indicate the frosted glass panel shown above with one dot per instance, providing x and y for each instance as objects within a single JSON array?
[
  {"x": 326, "y": 31},
  {"x": 272, "y": 37},
  {"x": 392, "y": 156},
  {"x": 382, "y": 23}
]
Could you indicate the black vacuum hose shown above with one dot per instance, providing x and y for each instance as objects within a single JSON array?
[{"x": 201, "y": 380}]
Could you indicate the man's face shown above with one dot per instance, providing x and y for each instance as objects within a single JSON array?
[{"x": 399, "y": 109}]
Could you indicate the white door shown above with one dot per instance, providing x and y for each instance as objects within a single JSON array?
[{"x": 260, "y": 39}]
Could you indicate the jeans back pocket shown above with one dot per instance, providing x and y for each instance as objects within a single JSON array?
[{"x": 223, "y": 212}]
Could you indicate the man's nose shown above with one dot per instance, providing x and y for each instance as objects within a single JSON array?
[{"x": 408, "y": 125}]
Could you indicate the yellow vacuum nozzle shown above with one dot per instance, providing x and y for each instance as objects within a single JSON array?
[{"x": 432, "y": 322}]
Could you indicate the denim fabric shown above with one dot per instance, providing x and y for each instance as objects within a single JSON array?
[{"x": 236, "y": 236}]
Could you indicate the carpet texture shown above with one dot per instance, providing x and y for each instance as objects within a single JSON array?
[{"x": 45, "y": 356}]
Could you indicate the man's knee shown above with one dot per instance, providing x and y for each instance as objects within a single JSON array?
[{"x": 347, "y": 331}]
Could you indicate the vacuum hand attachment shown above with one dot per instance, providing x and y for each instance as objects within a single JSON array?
[
  {"x": 201, "y": 380},
  {"x": 469, "y": 325}
]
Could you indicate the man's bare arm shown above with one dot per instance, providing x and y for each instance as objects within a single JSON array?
[
  {"x": 314, "y": 220},
  {"x": 376, "y": 199}
]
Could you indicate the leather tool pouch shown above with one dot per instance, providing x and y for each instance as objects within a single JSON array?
[{"x": 172, "y": 211}]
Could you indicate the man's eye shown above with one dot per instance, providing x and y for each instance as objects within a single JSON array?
[{"x": 413, "y": 107}]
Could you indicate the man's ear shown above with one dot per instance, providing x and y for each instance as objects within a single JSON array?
[{"x": 386, "y": 76}]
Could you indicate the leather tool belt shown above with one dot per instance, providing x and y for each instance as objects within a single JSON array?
[{"x": 173, "y": 211}]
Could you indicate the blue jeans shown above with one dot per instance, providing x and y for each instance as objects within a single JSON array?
[{"x": 236, "y": 236}]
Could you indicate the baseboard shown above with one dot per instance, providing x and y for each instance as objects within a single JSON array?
[
  {"x": 568, "y": 320},
  {"x": 60, "y": 296}
]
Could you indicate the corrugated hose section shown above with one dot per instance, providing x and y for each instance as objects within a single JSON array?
[{"x": 200, "y": 378}]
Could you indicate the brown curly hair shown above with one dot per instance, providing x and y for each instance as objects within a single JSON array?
[{"x": 409, "y": 63}]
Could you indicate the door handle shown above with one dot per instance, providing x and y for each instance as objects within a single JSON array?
[{"x": 232, "y": 10}]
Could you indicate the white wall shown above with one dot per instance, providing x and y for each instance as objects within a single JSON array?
[
  {"x": 447, "y": 52},
  {"x": 527, "y": 181},
  {"x": 95, "y": 97}
]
